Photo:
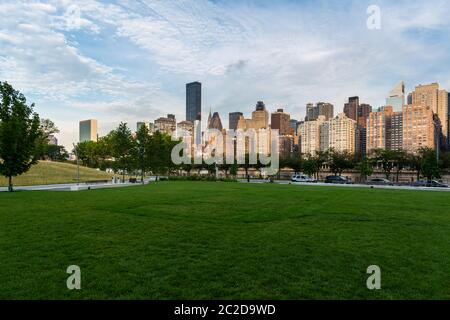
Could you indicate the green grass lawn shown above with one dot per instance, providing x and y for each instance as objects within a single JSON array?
[
  {"x": 46, "y": 172},
  {"x": 198, "y": 240}
]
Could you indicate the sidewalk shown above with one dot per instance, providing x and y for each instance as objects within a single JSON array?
[{"x": 70, "y": 187}]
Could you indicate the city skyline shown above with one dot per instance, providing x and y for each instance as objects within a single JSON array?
[
  {"x": 131, "y": 62},
  {"x": 358, "y": 130}
]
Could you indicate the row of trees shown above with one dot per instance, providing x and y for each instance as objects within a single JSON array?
[
  {"x": 426, "y": 162},
  {"x": 125, "y": 153}
]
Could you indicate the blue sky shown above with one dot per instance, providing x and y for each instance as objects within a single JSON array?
[{"x": 129, "y": 60}]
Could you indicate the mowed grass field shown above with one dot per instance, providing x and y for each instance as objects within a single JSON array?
[
  {"x": 47, "y": 172},
  {"x": 199, "y": 240}
]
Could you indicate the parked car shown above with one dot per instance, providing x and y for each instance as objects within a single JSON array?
[
  {"x": 430, "y": 184},
  {"x": 301, "y": 178},
  {"x": 437, "y": 184},
  {"x": 337, "y": 180},
  {"x": 380, "y": 182}
]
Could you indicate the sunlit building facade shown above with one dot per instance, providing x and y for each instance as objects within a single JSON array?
[
  {"x": 433, "y": 97},
  {"x": 419, "y": 128},
  {"x": 309, "y": 133},
  {"x": 167, "y": 125},
  {"x": 88, "y": 130}
]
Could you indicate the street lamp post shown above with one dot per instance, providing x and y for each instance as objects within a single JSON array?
[{"x": 78, "y": 163}]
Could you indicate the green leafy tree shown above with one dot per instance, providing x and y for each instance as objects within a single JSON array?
[
  {"x": 19, "y": 134},
  {"x": 87, "y": 153},
  {"x": 123, "y": 148},
  {"x": 103, "y": 152},
  {"x": 365, "y": 168},
  {"x": 296, "y": 165},
  {"x": 445, "y": 160},
  {"x": 430, "y": 167},
  {"x": 310, "y": 166},
  {"x": 321, "y": 158},
  {"x": 159, "y": 153},
  {"x": 386, "y": 158},
  {"x": 142, "y": 150},
  {"x": 234, "y": 169},
  {"x": 56, "y": 153},
  {"x": 225, "y": 167},
  {"x": 339, "y": 161},
  {"x": 211, "y": 168},
  {"x": 246, "y": 166},
  {"x": 45, "y": 150},
  {"x": 415, "y": 163},
  {"x": 401, "y": 161}
]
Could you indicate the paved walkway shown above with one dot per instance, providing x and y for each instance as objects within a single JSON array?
[{"x": 71, "y": 187}]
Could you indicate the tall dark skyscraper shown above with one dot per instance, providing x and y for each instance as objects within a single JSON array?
[
  {"x": 280, "y": 121},
  {"x": 233, "y": 119},
  {"x": 351, "y": 108},
  {"x": 409, "y": 99},
  {"x": 193, "y": 101},
  {"x": 320, "y": 109}
]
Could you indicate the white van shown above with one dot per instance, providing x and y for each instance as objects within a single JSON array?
[{"x": 301, "y": 178}]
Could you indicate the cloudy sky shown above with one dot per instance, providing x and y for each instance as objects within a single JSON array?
[{"x": 129, "y": 60}]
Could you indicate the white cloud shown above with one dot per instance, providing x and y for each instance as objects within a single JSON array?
[{"x": 287, "y": 54}]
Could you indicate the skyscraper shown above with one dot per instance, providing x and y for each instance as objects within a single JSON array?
[
  {"x": 184, "y": 128},
  {"x": 280, "y": 121},
  {"x": 395, "y": 134},
  {"x": 385, "y": 130},
  {"x": 396, "y": 98},
  {"x": 214, "y": 122},
  {"x": 419, "y": 128},
  {"x": 260, "y": 117},
  {"x": 88, "y": 130},
  {"x": 338, "y": 134},
  {"x": 364, "y": 111},
  {"x": 409, "y": 99},
  {"x": 193, "y": 101},
  {"x": 233, "y": 119},
  {"x": 325, "y": 109},
  {"x": 166, "y": 125},
  {"x": 293, "y": 124},
  {"x": 437, "y": 100},
  {"x": 351, "y": 108},
  {"x": 309, "y": 132},
  {"x": 321, "y": 109},
  {"x": 310, "y": 112}
]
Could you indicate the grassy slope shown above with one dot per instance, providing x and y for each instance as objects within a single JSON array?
[
  {"x": 217, "y": 240},
  {"x": 46, "y": 172}
]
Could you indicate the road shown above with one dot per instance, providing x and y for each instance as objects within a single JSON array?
[
  {"x": 321, "y": 184},
  {"x": 75, "y": 187}
]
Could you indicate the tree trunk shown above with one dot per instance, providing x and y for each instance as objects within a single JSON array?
[{"x": 10, "y": 185}]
